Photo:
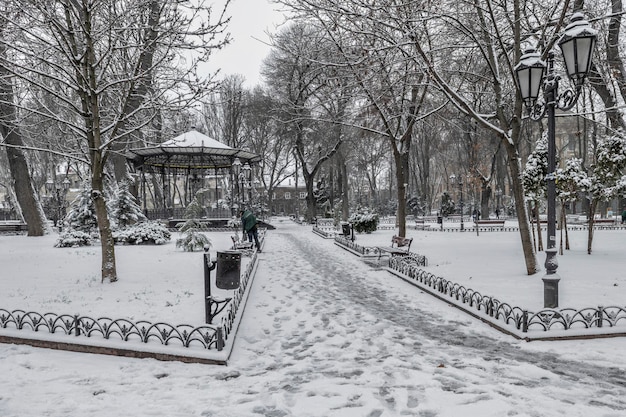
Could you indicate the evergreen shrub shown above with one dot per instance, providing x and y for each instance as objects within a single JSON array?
[
  {"x": 73, "y": 239},
  {"x": 144, "y": 233},
  {"x": 364, "y": 222}
]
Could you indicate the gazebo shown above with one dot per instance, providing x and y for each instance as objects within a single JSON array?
[{"x": 192, "y": 165}]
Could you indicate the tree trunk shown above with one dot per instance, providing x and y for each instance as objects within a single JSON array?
[
  {"x": 24, "y": 191},
  {"x": 137, "y": 93},
  {"x": 109, "y": 270},
  {"x": 29, "y": 205},
  {"x": 592, "y": 210},
  {"x": 522, "y": 214},
  {"x": 343, "y": 178},
  {"x": 532, "y": 228},
  {"x": 402, "y": 161},
  {"x": 485, "y": 197},
  {"x": 539, "y": 233}
]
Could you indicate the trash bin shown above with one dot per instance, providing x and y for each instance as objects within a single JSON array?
[
  {"x": 347, "y": 230},
  {"x": 228, "y": 270}
]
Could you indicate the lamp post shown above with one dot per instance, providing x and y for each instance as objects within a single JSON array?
[
  {"x": 236, "y": 171},
  {"x": 460, "y": 184},
  {"x": 577, "y": 44},
  {"x": 58, "y": 190},
  {"x": 246, "y": 178}
]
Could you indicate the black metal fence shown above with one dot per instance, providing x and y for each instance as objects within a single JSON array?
[
  {"x": 143, "y": 331},
  {"x": 521, "y": 319},
  {"x": 203, "y": 336},
  {"x": 355, "y": 247},
  {"x": 409, "y": 267}
]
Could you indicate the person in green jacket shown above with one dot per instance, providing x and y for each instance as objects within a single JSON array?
[{"x": 248, "y": 223}]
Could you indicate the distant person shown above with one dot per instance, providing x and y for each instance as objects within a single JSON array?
[
  {"x": 249, "y": 225},
  {"x": 624, "y": 216},
  {"x": 497, "y": 213}
]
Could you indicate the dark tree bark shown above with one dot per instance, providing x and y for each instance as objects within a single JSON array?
[{"x": 24, "y": 191}]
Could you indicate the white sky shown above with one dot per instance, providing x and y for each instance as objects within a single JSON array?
[{"x": 251, "y": 19}]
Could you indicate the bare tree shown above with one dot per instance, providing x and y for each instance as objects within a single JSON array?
[
  {"x": 14, "y": 143},
  {"x": 106, "y": 69},
  {"x": 264, "y": 135},
  {"x": 373, "y": 48},
  {"x": 224, "y": 111},
  {"x": 296, "y": 73}
]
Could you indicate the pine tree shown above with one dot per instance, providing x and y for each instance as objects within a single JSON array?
[
  {"x": 607, "y": 176},
  {"x": 192, "y": 238},
  {"x": 535, "y": 171},
  {"x": 193, "y": 210},
  {"x": 447, "y": 205},
  {"x": 124, "y": 209},
  {"x": 82, "y": 214}
]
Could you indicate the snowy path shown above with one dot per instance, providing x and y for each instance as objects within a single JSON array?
[
  {"x": 379, "y": 346},
  {"x": 323, "y": 334}
]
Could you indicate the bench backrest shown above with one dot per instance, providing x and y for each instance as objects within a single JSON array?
[{"x": 401, "y": 242}]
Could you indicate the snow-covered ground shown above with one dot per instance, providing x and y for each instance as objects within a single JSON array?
[{"x": 323, "y": 334}]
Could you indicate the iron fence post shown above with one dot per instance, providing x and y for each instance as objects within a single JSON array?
[
  {"x": 220, "y": 339},
  {"x": 208, "y": 267},
  {"x": 76, "y": 325}
]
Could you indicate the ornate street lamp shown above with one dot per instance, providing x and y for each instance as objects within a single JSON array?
[
  {"x": 577, "y": 44},
  {"x": 246, "y": 177},
  {"x": 58, "y": 192},
  {"x": 236, "y": 170},
  {"x": 460, "y": 184}
]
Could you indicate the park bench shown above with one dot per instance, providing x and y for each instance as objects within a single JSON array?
[
  {"x": 400, "y": 246},
  {"x": 419, "y": 224},
  {"x": 13, "y": 227},
  {"x": 386, "y": 223},
  {"x": 604, "y": 221},
  {"x": 490, "y": 223},
  {"x": 326, "y": 225},
  {"x": 239, "y": 244}
]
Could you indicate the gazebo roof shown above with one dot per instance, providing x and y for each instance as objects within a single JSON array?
[{"x": 191, "y": 150}]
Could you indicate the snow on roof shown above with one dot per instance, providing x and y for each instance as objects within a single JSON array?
[{"x": 194, "y": 138}]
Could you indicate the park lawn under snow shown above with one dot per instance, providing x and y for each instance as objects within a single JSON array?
[
  {"x": 164, "y": 283},
  {"x": 155, "y": 282}
]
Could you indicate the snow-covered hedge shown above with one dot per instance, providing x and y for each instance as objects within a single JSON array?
[
  {"x": 364, "y": 222},
  {"x": 192, "y": 238},
  {"x": 153, "y": 233},
  {"x": 73, "y": 239}
]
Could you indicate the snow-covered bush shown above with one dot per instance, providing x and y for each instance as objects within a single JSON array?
[
  {"x": 73, "y": 239},
  {"x": 447, "y": 205},
  {"x": 194, "y": 209},
  {"x": 124, "y": 210},
  {"x": 82, "y": 214},
  {"x": 147, "y": 233},
  {"x": 234, "y": 222},
  {"x": 364, "y": 222},
  {"x": 192, "y": 239}
]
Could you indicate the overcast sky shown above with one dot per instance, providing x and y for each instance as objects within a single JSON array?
[{"x": 251, "y": 19}]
